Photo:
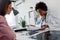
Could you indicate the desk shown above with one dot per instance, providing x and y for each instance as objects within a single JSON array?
[
  {"x": 57, "y": 28},
  {"x": 25, "y": 36}
]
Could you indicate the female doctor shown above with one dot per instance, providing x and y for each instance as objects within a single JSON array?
[{"x": 44, "y": 20}]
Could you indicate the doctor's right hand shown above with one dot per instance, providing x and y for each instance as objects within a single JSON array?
[{"x": 44, "y": 27}]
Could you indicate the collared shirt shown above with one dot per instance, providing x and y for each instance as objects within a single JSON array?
[{"x": 50, "y": 20}]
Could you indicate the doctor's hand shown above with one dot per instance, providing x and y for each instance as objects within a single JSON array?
[{"x": 44, "y": 27}]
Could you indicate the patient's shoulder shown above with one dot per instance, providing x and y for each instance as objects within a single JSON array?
[{"x": 2, "y": 19}]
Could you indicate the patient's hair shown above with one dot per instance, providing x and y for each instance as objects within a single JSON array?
[
  {"x": 3, "y": 6},
  {"x": 41, "y": 5}
]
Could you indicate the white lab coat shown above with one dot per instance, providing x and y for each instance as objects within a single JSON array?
[
  {"x": 38, "y": 20},
  {"x": 50, "y": 20}
]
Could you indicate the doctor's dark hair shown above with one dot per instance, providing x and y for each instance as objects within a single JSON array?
[
  {"x": 41, "y": 5},
  {"x": 3, "y": 6}
]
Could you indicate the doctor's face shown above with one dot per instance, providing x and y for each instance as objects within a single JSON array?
[{"x": 41, "y": 12}]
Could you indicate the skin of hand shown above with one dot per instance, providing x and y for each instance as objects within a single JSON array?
[{"x": 44, "y": 27}]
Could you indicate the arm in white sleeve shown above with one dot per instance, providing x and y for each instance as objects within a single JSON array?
[{"x": 53, "y": 21}]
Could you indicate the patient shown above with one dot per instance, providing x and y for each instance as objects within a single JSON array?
[{"x": 6, "y": 32}]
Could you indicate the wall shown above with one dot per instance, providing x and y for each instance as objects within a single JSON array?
[{"x": 24, "y": 8}]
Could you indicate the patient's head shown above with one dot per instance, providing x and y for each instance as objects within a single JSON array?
[
  {"x": 5, "y": 7},
  {"x": 41, "y": 8}
]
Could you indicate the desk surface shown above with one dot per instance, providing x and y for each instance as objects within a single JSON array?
[
  {"x": 54, "y": 28},
  {"x": 25, "y": 36}
]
